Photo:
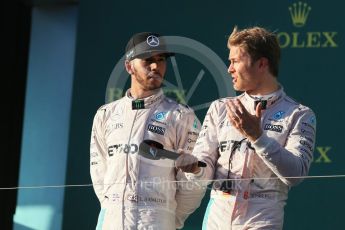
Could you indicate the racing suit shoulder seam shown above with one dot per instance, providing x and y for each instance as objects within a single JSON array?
[
  {"x": 110, "y": 105},
  {"x": 291, "y": 100},
  {"x": 179, "y": 107},
  {"x": 297, "y": 107}
]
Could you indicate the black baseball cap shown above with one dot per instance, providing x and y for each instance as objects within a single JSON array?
[{"x": 143, "y": 45}]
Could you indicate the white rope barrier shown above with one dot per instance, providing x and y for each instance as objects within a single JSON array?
[{"x": 166, "y": 181}]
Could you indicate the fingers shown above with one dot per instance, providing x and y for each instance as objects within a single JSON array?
[
  {"x": 235, "y": 112},
  {"x": 258, "y": 110},
  {"x": 187, "y": 163},
  {"x": 231, "y": 117},
  {"x": 241, "y": 107},
  {"x": 247, "y": 124}
]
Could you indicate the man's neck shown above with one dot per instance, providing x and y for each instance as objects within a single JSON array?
[
  {"x": 269, "y": 86},
  {"x": 140, "y": 93}
]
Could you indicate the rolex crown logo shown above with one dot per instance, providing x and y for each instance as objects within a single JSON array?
[{"x": 299, "y": 13}]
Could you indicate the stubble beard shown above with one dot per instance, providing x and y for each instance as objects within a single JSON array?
[{"x": 145, "y": 84}]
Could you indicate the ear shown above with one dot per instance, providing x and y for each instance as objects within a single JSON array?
[
  {"x": 263, "y": 63},
  {"x": 129, "y": 67}
]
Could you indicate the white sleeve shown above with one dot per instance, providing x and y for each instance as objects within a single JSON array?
[
  {"x": 293, "y": 159},
  {"x": 98, "y": 151},
  {"x": 206, "y": 148},
  {"x": 189, "y": 194}
]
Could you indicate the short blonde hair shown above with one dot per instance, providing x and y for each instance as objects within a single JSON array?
[{"x": 258, "y": 42}]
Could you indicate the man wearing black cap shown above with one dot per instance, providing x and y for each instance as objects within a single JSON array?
[{"x": 135, "y": 192}]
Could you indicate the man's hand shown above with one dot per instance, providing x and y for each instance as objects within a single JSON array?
[
  {"x": 187, "y": 163},
  {"x": 247, "y": 124}
]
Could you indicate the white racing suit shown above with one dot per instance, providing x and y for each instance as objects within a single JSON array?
[
  {"x": 284, "y": 150},
  {"x": 135, "y": 192}
]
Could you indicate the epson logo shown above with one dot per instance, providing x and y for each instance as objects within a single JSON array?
[
  {"x": 275, "y": 128},
  {"x": 156, "y": 129}
]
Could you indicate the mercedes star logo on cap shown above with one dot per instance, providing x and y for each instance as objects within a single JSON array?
[{"x": 152, "y": 40}]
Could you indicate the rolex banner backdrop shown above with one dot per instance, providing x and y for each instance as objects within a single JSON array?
[{"x": 311, "y": 35}]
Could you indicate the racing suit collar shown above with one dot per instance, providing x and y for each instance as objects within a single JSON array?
[
  {"x": 269, "y": 99},
  {"x": 146, "y": 102}
]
